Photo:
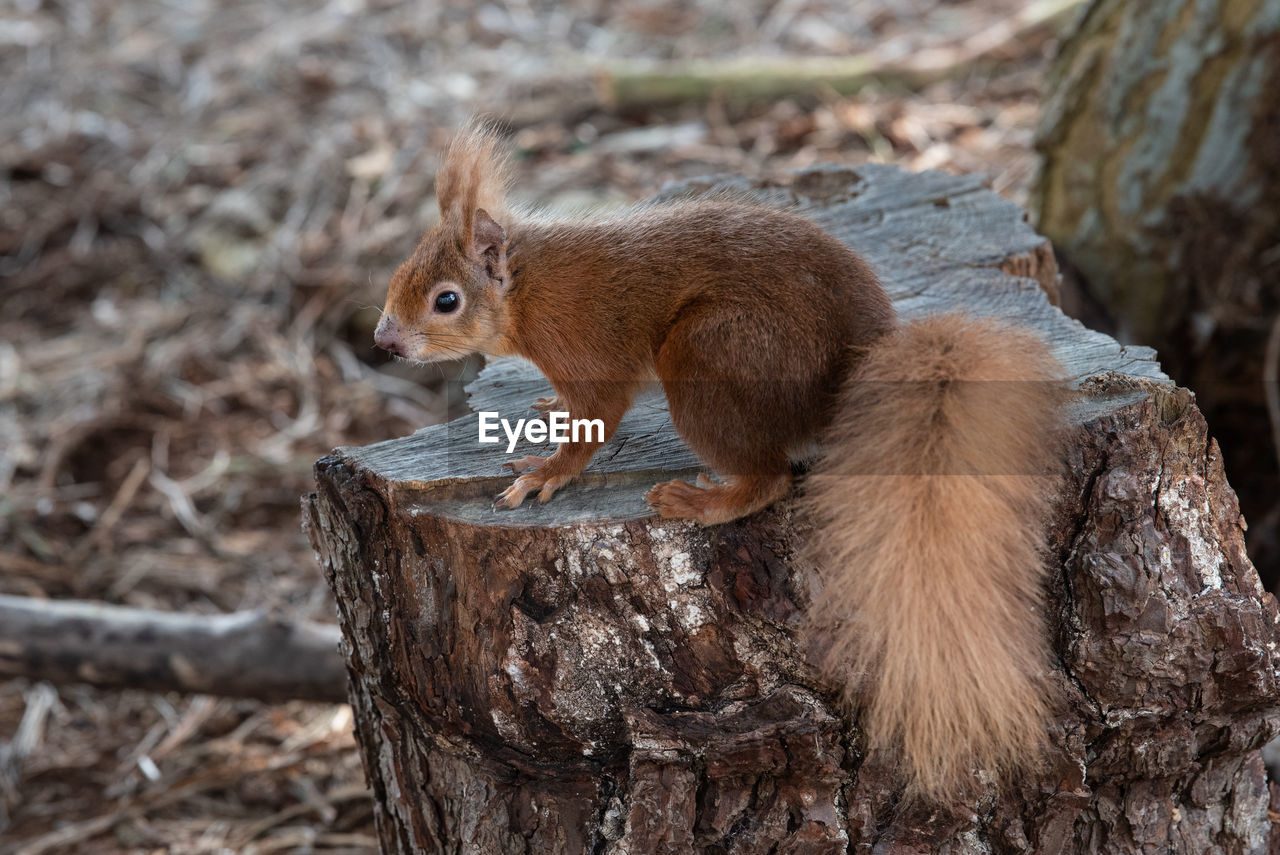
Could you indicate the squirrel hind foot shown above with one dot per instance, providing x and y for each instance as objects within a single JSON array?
[{"x": 710, "y": 503}]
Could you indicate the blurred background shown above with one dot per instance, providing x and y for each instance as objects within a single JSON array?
[{"x": 200, "y": 206}]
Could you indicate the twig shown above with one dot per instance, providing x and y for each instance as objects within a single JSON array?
[
  {"x": 41, "y": 699},
  {"x": 111, "y": 516},
  {"x": 322, "y": 804},
  {"x": 60, "y": 839}
]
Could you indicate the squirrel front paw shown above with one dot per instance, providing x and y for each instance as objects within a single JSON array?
[
  {"x": 511, "y": 497},
  {"x": 514, "y": 495},
  {"x": 547, "y": 405},
  {"x": 528, "y": 463}
]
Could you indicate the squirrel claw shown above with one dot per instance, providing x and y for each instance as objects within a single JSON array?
[
  {"x": 510, "y": 498},
  {"x": 546, "y": 405},
  {"x": 526, "y": 484},
  {"x": 506, "y": 500},
  {"x": 549, "y": 488},
  {"x": 528, "y": 463}
]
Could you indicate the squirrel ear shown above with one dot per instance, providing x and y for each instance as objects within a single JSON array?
[{"x": 486, "y": 235}]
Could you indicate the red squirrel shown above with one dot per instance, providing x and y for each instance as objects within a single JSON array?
[{"x": 768, "y": 334}]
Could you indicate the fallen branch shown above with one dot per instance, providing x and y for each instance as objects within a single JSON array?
[
  {"x": 754, "y": 79},
  {"x": 243, "y": 654}
]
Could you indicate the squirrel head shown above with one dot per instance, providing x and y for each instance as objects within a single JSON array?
[{"x": 446, "y": 301}]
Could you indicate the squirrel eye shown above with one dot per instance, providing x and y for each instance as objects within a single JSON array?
[{"x": 446, "y": 301}]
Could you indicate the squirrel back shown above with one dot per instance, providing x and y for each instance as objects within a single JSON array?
[{"x": 929, "y": 512}]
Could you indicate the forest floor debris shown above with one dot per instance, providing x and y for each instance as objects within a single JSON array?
[{"x": 199, "y": 210}]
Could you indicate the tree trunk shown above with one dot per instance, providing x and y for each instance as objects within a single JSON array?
[
  {"x": 583, "y": 677},
  {"x": 1160, "y": 183}
]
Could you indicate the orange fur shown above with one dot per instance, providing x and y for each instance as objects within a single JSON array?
[
  {"x": 473, "y": 174},
  {"x": 767, "y": 335},
  {"x": 929, "y": 512}
]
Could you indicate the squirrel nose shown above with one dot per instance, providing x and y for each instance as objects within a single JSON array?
[{"x": 387, "y": 336}]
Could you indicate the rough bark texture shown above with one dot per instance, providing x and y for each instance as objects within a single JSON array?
[
  {"x": 581, "y": 677},
  {"x": 1160, "y": 183},
  {"x": 245, "y": 654}
]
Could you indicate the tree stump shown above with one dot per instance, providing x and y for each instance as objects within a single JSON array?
[{"x": 583, "y": 677}]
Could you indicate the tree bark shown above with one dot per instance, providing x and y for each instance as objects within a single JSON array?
[
  {"x": 583, "y": 677},
  {"x": 1160, "y": 183},
  {"x": 245, "y": 654}
]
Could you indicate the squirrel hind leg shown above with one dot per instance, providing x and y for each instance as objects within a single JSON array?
[{"x": 717, "y": 503}]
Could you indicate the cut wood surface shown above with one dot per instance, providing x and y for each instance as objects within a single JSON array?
[
  {"x": 583, "y": 677},
  {"x": 243, "y": 654}
]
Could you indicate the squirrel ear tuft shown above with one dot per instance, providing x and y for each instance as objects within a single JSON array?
[{"x": 486, "y": 235}]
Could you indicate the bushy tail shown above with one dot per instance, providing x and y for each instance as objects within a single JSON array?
[{"x": 930, "y": 508}]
